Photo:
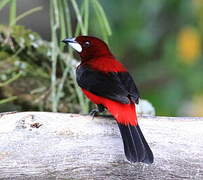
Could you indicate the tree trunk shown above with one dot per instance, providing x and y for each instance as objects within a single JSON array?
[{"x": 41, "y": 145}]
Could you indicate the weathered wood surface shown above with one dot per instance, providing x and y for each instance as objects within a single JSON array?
[{"x": 40, "y": 145}]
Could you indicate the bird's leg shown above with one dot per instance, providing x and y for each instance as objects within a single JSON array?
[{"x": 100, "y": 108}]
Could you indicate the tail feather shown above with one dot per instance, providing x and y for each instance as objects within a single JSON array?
[
  {"x": 135, "y": 146},
  {"x": 149, "y": 158}
]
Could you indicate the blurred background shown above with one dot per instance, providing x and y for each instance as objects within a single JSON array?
[{"x": 159, "y": 41}]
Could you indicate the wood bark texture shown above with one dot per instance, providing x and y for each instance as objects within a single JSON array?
[{"x": 43, "y": 145}]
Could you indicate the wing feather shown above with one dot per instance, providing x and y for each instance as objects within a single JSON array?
[{"x": 110, "y": 85}]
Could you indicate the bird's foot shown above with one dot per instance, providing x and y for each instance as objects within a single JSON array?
[{"x": 94, "y": 112}]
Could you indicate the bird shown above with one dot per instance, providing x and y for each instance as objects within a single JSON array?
[{"x": 108, "y": 84}]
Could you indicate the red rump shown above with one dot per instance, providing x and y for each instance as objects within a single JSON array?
[{"x": 123, "y": 113}]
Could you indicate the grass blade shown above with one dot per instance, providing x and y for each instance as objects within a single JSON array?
[
  {"x": 62, "y": 22},
  {"x": 68, "y": 24},
  {"x": 12, "y": 98},
  {"x": 78, "y": 15},
  {"x": 27, "y": 13},
  {"x": 11, "y": 79},
  {"x": 3, "y": 3},
  {"x": 102, "y": 19},
  {"x": 54, "y": 21},
  {"x": 86, "y": 15},
  {"x": 12, "y": 12}
]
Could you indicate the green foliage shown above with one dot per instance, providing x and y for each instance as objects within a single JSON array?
[
  {"x": 3, "y": 3},
  {"x": 148, "y": 37},
  {"x": 25, "y": 70},
  {"x": 159, "y": 41},
  {"x": 38, "y": 73},
  {"x": 59, "y": 11},
  {"x": 13, "y": 18}
]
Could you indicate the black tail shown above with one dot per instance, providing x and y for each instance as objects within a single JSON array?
[{"x": 135, "y": 145}]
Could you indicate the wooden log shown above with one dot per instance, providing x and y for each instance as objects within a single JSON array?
[{"x": 42, "y": 145}]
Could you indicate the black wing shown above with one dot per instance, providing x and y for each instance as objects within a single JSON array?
[
  {"x": 109, "y": 85},
  {"x": 130, "y": 86}
]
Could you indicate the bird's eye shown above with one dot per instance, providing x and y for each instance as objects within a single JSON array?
[{"x": 86, "y": 44}]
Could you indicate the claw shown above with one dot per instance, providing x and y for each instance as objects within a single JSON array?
[{"x": 94, "y": 112}]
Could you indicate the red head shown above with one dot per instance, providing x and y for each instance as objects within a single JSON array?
[{"x": 89, "y": 47}]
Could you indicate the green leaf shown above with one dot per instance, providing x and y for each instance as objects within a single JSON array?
[
  {"x": 3, "y": 3},
  {"x": 102, "y": 17},
  {"x": 12, "y": 12},
  {"x": 3, "y": 101},
  {"x": 26, "y": 13}
]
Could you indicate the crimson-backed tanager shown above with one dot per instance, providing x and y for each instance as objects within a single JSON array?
[{"x": 107, "y": 83}]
